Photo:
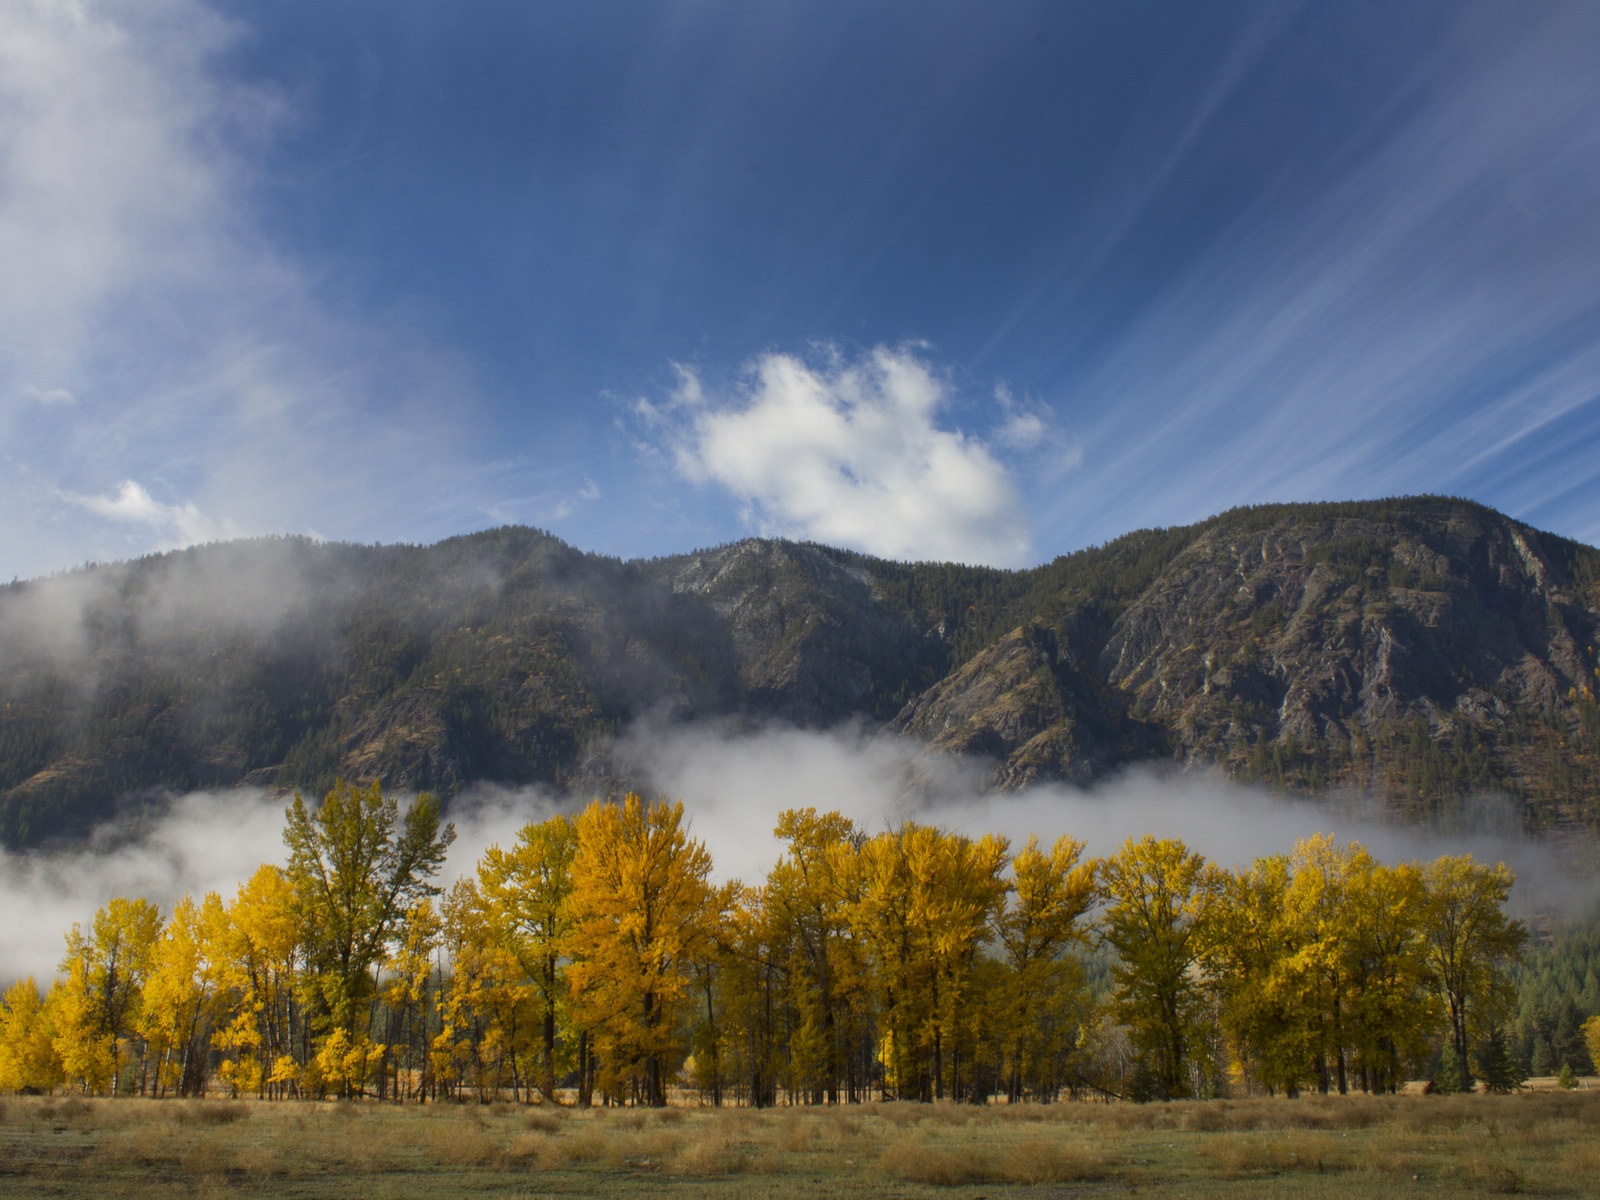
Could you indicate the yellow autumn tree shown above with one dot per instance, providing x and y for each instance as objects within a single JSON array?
[
  {"x": 1044, "y": 996},
  {"x": 1326, "y": 881},
  {"x": 713, "y": 972},
  {"x": 925, "y": 902},
  {"x": 28, "y": 1058},
  {"x": 95, "y": 1011},
  {"x": 639, "y": 914},
  {"x": 358, "y": 865},
  {"x": 486, "y": 1011},
  {"x": 408, "y": 998},
  {"x": 260, "y": 956},
  {"x": 1261, "y": 1006},
  {"x": 1471, "y": 946},
  {"x": 963, "y": 891},
  {"x": 743, "y": 1039},
  {"x": 182, "y": 996},
  {"x": 806, "y": 900},
  {"x": 1591, "y": 1037},
  {"x": 1392, "y": 1011},
  {"x": 1162, "y": 901},
  {"x": 526, "y": 890},
  {"x": 881, "y": 918}
]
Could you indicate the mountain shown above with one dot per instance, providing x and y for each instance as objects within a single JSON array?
[{"x": 1425, "y": 649}]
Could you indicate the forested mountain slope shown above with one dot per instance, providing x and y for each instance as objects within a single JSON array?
[{"x": 1423, "y": 648}]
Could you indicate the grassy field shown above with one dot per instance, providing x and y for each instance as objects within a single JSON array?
[{"x": 1544, "y": 1143}]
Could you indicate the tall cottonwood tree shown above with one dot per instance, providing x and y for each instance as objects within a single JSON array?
[
  {"x": 752, "y": 1034},
  {"x": 882, "y": 919},
  {"x": 408, "y": 997},
  {"x": 526, "y": 890},
  {"x": 487, "y": 1008},
  {"x": 357, "y": 866},
  {"x": 806, "y": 899},
  {"x": 264, "y": 1038},
  {"x": 29, "y": 1061},
  {"x": 640, "y": 913},
  {"x": 1326, "y": 882},
  {"x": 96, "y": 1011},
  {"x": 1044, "y": 992},
  {"x": 182, "y": 997},
  {"x": 1392, "y": 1012},
  {"x": 964, "y": 892},
  {"x": 1162, "y": 903},
  {"x": 1261, "y": 1008},
  {"x": 1472, "y": 945},
  {"x": 925, "y": 903}
]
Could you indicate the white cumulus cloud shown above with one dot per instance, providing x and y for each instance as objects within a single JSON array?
[
  {"x": 183, "y": 523},
  {"x": 851, "y": 453}
]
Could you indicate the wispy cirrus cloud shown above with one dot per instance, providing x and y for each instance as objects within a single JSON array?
[
  {"x": 167, "y": 372},
  {"x": 851, "y": 453},
  {"x": 48, "y": 396},
  {"x": 1406, "y": 328}
]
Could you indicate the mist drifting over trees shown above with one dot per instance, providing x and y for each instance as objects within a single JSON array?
[{"x": 596, "y": 956}]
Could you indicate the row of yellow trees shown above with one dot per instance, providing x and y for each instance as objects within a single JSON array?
[{"x": 596, "y": 953}]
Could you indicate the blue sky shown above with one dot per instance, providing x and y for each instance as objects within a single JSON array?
[{"x": 976, "y": 282}]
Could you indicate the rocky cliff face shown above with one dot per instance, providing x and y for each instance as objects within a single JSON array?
[
  {"x": 811, "y": 640},
  {"x": 1422, "y": 649}
]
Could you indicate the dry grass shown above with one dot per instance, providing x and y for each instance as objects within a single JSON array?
[
  {"x": 708, "y": 1155},
  {"x": 916, "y": 1161},
  {"x": 581, "y": 1147},
  {"x": 209, "y": 1112},
  {"x": 1493, "y": 1173},
  {"x": 1582, "y": 1158},
  {"x": 1548, "y": 1143},
  {"x": 1037, "y": 1161},
  {"x": 1000, "y": 1157},
  {"x": 542, "y": 1121},
  {"x": 1234, "y": 1157}
]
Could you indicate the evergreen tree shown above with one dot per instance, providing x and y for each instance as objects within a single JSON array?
[
  {"x": 1497, "y": 1066},
  {"x": 1448, "y": 1075}
]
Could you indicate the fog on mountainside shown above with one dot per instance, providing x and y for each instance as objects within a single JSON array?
[
  {"x": 1418, "y": 652},
  {"x": 734, "y": 786}
]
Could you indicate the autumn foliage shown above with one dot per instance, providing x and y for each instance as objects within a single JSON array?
[{"x": 598, "y": 958}]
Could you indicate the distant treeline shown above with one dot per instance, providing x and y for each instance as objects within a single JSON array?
[{"x": 596, "y": 955}]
